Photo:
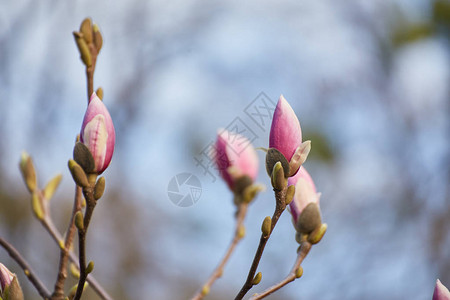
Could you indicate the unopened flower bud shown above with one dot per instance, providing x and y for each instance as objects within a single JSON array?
[
  {"x": 285, "y": 133},
  {"x": 235, "y": 157},
  {"x": 306, "y": 200},
  {"x": 6, "y": 276},
  {"x": 98, "y": 134},
  {"x": 440, "y": 292}
]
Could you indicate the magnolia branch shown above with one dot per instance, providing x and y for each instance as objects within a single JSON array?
[
  {"x": 82, "y": 232},
  {"x": 65, "y": 249},
  {"x": 280, "y": 196},
  {"x": 304, "y": 250},
  {"x": 40, "y": 287},
  {"x": 54, "y": 233},
  {"x": 240, "y": 216}
]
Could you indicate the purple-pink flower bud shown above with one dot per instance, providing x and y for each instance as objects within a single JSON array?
[
  {"x": 98, "y": 134},
  {"x": 235, "y": 157},
  {"x": 5, "y": 276},
  {"x": 285, "y": 133},
  {"x": 305, "y": 192},
  {"x": 440, "y": 292}
]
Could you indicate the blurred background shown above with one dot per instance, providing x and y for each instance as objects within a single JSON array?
[{"x": 369, "y": 81}]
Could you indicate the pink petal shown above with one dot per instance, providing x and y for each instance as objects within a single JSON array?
[
  {"x": 285, "y": 133},
  {"x": 234, "y": 150},
  {"x": 305, "y": 192},
  {"x": 97, "y": 108},
  {"x": 440, "y": 292}
]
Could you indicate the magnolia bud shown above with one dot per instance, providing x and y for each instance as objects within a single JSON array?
[
  {"x": 440, "y": 292},
  {"x": 305, "y": 196},
  {"x": 235, "y": 157},
  {"x": 98, "y": 134},
  {"x": 285, "y": 132}
]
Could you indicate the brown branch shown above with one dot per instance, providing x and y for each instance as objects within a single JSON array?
[
  {"x": 58, "y": 293},
  {"x": 54, "y": 233},
  {"x": 82, "y": 232},
  {"x": 304, "y": 250},
  {"x": 280, "y": 198},
  {"x": 40, "y": 287},
  {"x": 240, "y": 216}
]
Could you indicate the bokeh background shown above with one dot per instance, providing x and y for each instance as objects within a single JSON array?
[{"x": 369, "y": 81}]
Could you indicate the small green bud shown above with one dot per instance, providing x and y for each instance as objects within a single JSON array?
[
  {"x": 278, "y": 179},
  {"x": 51, "y": 187},
  {"x": 28, "y": 171},
  {"x": 290, "y": 194},
  {"x": 299, "y": 272},
  {"x": 86, "y": 30},
  {"x": 90, "y": 267},
  {"x": 72, "y": 292},
  {"x": 257, "y": 279},
  {"x": 250, "y": 192},
  {"x": 317, "y": 235},
  {"x": 98, "y": 39},
  {"x": 241, "y": 231},
  {"x": 83, "y": 48},
  {"x": 99, "y": 93},
  {"x": 99, "y": 188},
  {"x": 79, "y": 222},
  {"x": 74, "y": 270},
  {"x": 36, "y": 204},
  {"x": 205, "y": 290},
  {"x": 79, "y": 176},
  {"x": 266, "y": 226}
]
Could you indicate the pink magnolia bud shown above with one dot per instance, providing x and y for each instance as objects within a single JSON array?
[
  {"x": 235, "y": 157},
  {"x": 5, "y": 276},
  {"x": 285, "y": 133},
  {"x": 440, "y": 292},
  {"x": 305, "y": 192},
  {"x": 98, "y": 134}
]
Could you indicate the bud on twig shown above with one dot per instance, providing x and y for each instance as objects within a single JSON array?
[
  {"x": 83, "y": 48},
  {"x": 36, "y": 204},
  {"x": 79, "y": 223},
  {"x": 290, "y": 194},
  {"x": 28, "y": 172},
  {"x": 79, "y": 176},
  {"x": 51, "y": 187},
  {"x": 278, "y": 180},
  {"x": 317, "y": 235},
  {"x": 99, "y": 188},
  {"x": 266, "y": 226},
  {"x": 90, "y": 267},
  {"x": 299, "y": 272},
  {"x": 98, "y": 39},
  {"x": 86, "y": 30},
  {"x": 257, "y": 279}
]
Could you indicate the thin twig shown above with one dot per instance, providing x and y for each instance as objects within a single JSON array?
[
  {"x": 304, "y": 250},
  {"x": 240, "y": 216},
  {"x": 82, "y": 232},
  {"x": 58, "y": 293},
  {"x": 280, "y": 200},
  {"x": 40, "y": 287},
  {"x": 93, "y": 283}
]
